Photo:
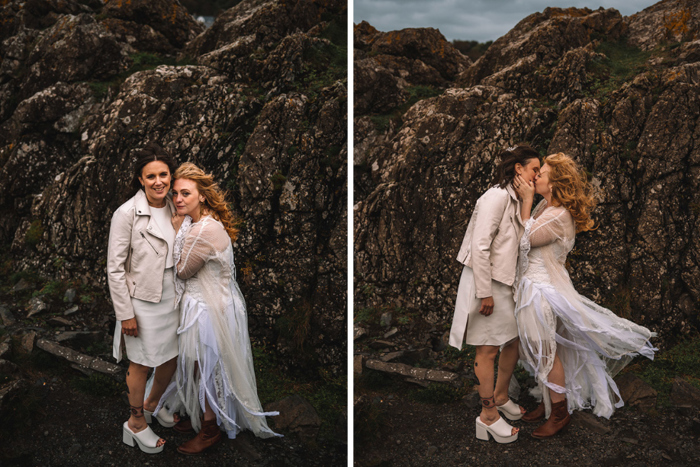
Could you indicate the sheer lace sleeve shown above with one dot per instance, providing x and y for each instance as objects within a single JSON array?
[
  {"x": 553, "y": 224},
  {"x": 204, "y": 241}
]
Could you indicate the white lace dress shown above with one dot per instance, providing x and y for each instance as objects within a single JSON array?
[
  {"x": 593, "y": 343},
  {"x": 215, "y": 357}
]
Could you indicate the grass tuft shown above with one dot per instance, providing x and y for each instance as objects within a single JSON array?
[{"x": 683, "y": 361}]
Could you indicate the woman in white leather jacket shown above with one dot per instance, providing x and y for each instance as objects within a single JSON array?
[
  {"x": 484, "y": 309},
  {"x": 140, "y": 277}
]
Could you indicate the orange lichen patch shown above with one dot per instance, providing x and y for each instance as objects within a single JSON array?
[
  {"x": 392, "y": 36},
  {"x": 676, "y": 23},
  {"x": 570, "y": 12},
  {"x": 673, "y": 75},
  {"x": 247, "y": 271},
  {"x": 366, "y": 28},
  {"x": 173, "y": 16},
  {"x": 120, "y": 3}
]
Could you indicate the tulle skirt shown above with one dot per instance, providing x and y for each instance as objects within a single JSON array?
[
  {"x": 593, "y": 345},
  {"x": 215, "y": 362}
]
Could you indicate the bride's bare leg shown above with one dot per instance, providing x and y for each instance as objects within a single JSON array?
[
  {"x": 483, "y": 369},
  {"x": 208, "y": 412},
  {"x": 557, "y": 376}
]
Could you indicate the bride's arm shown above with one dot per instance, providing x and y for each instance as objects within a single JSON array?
[
  {"x": 195, "y": 252},
  {"x": 550, "y": 227}
]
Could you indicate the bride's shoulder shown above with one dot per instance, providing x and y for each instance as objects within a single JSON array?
[{"x": 213, "y": 229}]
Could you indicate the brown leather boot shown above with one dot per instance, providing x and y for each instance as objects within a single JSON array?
[
  {"x": 558, "y": 420},
  {"x": 184, "y": 426},
  {"x": 530, "y": 417},
  {"x": 208, "y": 436}
]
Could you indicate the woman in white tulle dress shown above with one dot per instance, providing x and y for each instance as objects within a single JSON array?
[
  {"x": 571, "y": 345},
  {"x": 215, "y": 379}
]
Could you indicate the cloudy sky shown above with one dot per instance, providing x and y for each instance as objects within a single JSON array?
[{"x": 481, "y": 20}]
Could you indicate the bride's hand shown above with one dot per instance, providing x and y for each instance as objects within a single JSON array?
[
  {"x": 177, "y": 222},
  {"x": 525, "y": 189}
]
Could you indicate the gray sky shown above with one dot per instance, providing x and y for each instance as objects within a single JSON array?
[{"x": 481, "y": 20}]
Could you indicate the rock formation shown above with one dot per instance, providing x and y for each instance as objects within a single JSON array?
[
  {"x": 259, "y": 99},
  {"x": 619, "y": 94}
]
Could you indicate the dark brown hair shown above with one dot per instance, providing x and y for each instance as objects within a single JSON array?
[
  {"x": 144, "y": 156},
  {"x": 505, "y": 171}
]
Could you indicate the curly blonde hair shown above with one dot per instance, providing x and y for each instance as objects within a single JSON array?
[
  {"x": 214, "y": 197},
  {"x": 570, "y": 188}
]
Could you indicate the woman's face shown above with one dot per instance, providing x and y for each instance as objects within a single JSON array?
[
  {"x": 528, "y": 171},
  {"x": 542, "y": 181},
  {"x": 187, "y": 198},
  {"x": 155, "y": 178}
]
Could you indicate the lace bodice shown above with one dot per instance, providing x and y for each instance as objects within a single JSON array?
[
  {"x": 204, "y": 261},
  {"x": 549, "y": 237}
]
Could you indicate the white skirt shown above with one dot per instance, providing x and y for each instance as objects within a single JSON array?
[
  {"x": 216, "y": 363},
  {"x": 470, "y": 326},
  {"x": 157, "y": 329}
]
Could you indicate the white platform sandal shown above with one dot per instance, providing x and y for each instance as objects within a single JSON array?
[
  {"x": 500, "y": 431},
  {"x": 510, "y": 409},
  {"x": 164, "y": 417},
  {"x": 146, "y": 439}
]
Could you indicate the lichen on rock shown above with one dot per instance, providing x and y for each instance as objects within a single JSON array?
[
  {"x": 590, "y": 83},
  {"x": 259, "y": 100}
]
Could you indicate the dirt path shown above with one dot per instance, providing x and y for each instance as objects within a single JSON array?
[
  {"x": 71, "y": 428},
  {"x": 401, "y": 431}
]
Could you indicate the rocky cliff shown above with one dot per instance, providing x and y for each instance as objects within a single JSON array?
[
  {"x": 259, "y": 99},
  {"x": 619, "y": 94}
]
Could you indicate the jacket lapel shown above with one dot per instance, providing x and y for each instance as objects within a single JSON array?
[
  {"x": 515, "y": 198},
  {"x": 143, "y": 209}
]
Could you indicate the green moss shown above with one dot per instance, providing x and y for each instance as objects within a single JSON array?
[
  {"x": 295, "y": 325},
  {"x": 141, "y": 61},
  {"x": 622, "y": 62},
  {"x": 326, "y": 63},
  {"x": 326, "y": 393},
  {"x": 336, "y": 31},
  {"x": 278, "y": 180},
  {"x": 368, "y": 315},
  {"x": 52, "y": 290},
  {"x": 683, "y": 361},
  {"x": 415, "y": 94},
  {"x": 34, "y": 235},
  {"x": 472, "y": 49}
]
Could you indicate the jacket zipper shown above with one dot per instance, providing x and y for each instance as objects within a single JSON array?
[{"x": 154, "y": 248}]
